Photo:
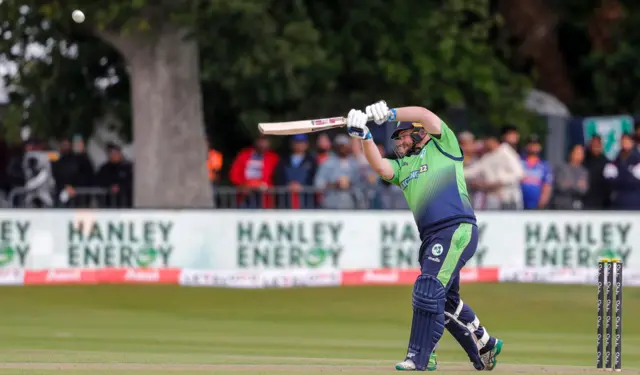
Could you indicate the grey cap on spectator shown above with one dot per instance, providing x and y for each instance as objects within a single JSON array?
[
  {"x": 341, "y": 140},
  {"x": 466, "y": 136}
]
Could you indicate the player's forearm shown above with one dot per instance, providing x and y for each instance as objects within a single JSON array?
[
  {"x": 376, "y": 161},
  {"x": 428, "y": 119}
]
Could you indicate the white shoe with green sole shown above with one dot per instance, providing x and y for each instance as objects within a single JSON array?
[{"x": 408, "y": 365}]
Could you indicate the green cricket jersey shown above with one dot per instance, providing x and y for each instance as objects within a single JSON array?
[{"x": 433, "y": 184}]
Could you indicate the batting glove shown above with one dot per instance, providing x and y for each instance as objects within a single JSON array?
[
  {"x": 379, "y": 112},
  {"x": 357, "y": 124}
]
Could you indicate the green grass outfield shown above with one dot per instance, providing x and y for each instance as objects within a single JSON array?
[{"x": 54, "y": 330}]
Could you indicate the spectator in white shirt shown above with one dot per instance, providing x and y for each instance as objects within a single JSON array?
[{"x": 498, "y": 173}]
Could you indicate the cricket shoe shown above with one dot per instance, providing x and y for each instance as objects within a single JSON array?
[
  {"x": 490, "y": 357},
  {"x": 408, "y": 365},
  {"x": 433, "y": 362}
]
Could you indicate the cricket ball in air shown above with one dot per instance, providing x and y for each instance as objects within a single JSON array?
[{"x": 77, "y": 16}]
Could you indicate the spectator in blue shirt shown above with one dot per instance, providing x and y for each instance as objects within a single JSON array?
[
  {"x": 538, "y": 179},
  {"x": 296, "y": 171}
]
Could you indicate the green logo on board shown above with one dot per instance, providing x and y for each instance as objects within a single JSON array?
[
  {"x": 125, "y": 243},
  {"x": 289, "y": 244},
  {"x": 7, "y": 253},
  {"x": 610, "y": 129},
  {"x": 14, "y": 247}
]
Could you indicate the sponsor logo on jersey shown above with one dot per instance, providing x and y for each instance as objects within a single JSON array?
[
  {"x": 436, "y": 250},
  {"x": 413, "y": 175}
]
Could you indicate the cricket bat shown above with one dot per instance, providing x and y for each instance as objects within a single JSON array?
[{"x": 301, "y": 127}]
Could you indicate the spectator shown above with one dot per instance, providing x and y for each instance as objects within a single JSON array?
[
  {"x": 598, "y": 195},
  {"x": 39, "y": 183},
  {"x": 71, "y": 171},
  {"x": 323, "y": 148},
  {"x": 467, "y": 143},
  {"x": 538, "y": 179},
  {"x": 511, "y": 136},
  {"x": 498, "y": 174},
  {"x": 15, "y": 172},
  {"x": 637, "y": 136},
  {"x": 116, "y": 176},
  {"x": 624, "y": 176},
  {"x": 87, "y": 172},
  {"x": 479, "y": 147},
  {"x": 252, "y": 172},
  {"x": 369, "y": 179},
  {"x": 214, "y": 164},
  {"x": 571, "y": 182},
  {"x": 338, "y": 175},
  {"x": 296, "y": 171},
  {"x": 391, "y": 196},
  {"x": 358, "y": 155}
]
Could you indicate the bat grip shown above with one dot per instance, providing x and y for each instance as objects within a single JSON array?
[{"x": 370, "y": 118}]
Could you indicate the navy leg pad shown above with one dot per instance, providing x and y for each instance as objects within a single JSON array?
[
  {"x": 429, "y": 295},
  {"x": 427, "y": 325},
  {"x": 465, "y": 338}
]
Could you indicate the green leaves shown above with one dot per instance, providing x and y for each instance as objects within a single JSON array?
[
  {"x": 444, "y": 58},
  {"x": 608, "y": 77},
  {"x": 264, "y": 60}
]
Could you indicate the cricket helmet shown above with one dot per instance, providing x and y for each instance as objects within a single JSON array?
[{"x": 417, "y": 135}]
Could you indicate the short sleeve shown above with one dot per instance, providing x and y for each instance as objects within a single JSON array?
[
  {"x": 447, "y": 141},
  {"x": 395, "y": 164}
]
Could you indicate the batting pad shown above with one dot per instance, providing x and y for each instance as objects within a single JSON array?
[{"x": 427, "y": 325}]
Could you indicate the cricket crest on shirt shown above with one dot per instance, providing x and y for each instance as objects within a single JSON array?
[{"x": 413, "y": 175}]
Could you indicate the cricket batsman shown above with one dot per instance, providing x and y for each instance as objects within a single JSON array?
[{"x": 429, "y": 170}]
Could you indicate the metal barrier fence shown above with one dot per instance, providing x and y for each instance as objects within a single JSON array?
[
  {"x": 370, "y": 197},
  {"x": 93, "y": 197},
  {"x": 379, "y": 196}
]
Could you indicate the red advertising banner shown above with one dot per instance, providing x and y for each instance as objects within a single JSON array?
[
  {"x": 102, "y": 276},
  {"x": 407, "y": 276}
]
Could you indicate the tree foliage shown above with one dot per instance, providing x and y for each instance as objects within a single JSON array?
[
  {"x": 268, "y": 59},
  {"x": 601, "y": 41},
  {"x": 162, "y": 63},
  {"x": 297, "y": 59},
  {"x": 614, "y": 71},
  {"x": 53, "y": 69}
]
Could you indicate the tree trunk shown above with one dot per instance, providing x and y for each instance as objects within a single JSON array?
[{"x": 168, "y": 127}]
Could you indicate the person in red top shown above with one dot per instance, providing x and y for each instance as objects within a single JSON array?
[
  {"x": 252, "y": 171},
  {"x": 214, "y": 164}
]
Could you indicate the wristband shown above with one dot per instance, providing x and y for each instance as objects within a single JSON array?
[{"x": 393, "y": 114}]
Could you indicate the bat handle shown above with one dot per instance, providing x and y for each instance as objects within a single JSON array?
[{"x": 370, "y": 118}]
